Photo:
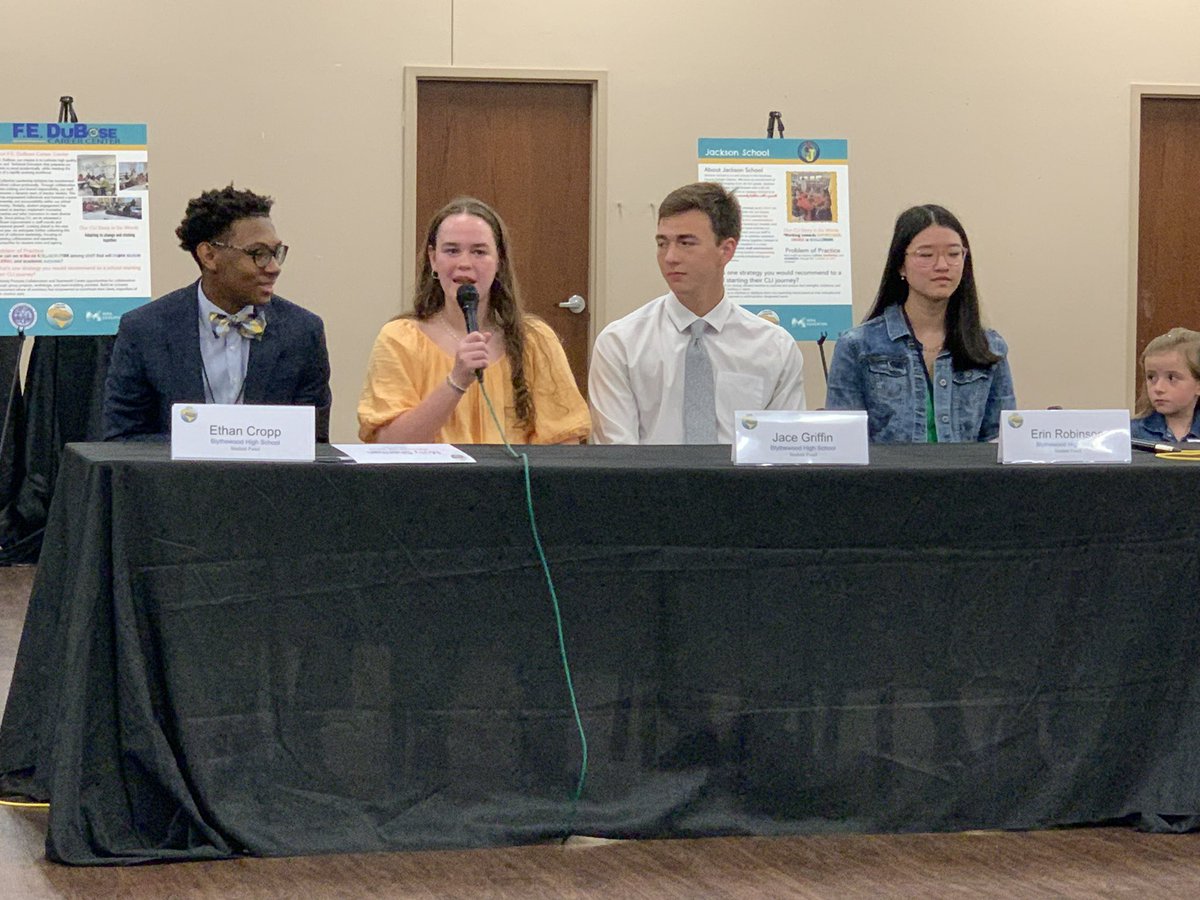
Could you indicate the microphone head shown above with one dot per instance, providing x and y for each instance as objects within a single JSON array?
[{"x": 467, "y": 296}]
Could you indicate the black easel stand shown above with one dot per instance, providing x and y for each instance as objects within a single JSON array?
[
  {"x": 61, "y": 402},
  {"x": 66, "y": 109},
  {"x": 774, "y": 118}
]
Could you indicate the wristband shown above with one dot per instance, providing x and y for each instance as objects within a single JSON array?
[{"x": 460, "y": 389}]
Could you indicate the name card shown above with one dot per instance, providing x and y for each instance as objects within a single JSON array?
[
  {"x": 1064, "y": 436},
  {"x": 240, "y": 431},
  {"x": 790, "y": 438}
]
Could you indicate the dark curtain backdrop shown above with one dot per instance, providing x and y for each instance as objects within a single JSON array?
[{"x": 60, "y": 403}]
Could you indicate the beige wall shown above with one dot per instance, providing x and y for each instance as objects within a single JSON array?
[{"x": 1013, "y": 113}]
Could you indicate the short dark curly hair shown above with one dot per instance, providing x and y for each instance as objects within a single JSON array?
[{"x": 212, "y": 213}]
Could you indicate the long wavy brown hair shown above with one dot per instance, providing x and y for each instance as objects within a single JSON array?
[{"x": 504, "y": 304}]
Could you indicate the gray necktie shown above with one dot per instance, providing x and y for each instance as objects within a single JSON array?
[{"x": 699, "y": 396}]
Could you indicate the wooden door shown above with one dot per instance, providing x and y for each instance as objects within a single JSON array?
[
  {"x": 525, "y": 149},
  {"x": 1168, "y": 286}
]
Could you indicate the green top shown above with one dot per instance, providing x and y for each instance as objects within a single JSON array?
[{"x": 930, "y": 423}]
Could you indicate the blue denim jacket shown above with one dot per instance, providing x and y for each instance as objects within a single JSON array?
[
  {"x": 877, "y": 366},
  {"x": 1154, "y": 428}
]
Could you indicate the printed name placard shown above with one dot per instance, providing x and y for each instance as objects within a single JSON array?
[
  {"x": 241, "y": 431},
  {"x": 1064, "y": 436},
  {"x": 792, "y": 438}
]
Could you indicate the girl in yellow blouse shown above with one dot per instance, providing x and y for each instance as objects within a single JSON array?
[{"x": 421, "y": 385}]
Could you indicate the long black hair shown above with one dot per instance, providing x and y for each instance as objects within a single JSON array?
[{"x": 965, "y": 337}]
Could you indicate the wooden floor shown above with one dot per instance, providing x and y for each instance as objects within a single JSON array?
[{"x": 1092, "y": 862}]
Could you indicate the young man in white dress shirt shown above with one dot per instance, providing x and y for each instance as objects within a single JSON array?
[{"x": 636, "y": 382}]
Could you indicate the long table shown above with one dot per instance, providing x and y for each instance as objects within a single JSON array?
[{"x": 223, "y": 659}]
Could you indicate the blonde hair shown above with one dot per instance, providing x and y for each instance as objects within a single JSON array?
[{"x": 1184, "y": 340}]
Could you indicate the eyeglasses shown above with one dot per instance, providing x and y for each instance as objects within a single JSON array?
[
  {"x": 262, "y": 256},
  {"x": 927, "y": 256}
]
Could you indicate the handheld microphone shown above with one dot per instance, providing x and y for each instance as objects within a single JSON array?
[{"x": 468, "y": 302}]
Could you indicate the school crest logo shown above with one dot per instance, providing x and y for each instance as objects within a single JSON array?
[{"x": 22, "y": 316}]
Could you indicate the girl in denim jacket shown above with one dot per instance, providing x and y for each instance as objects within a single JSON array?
[
  {"x": 1166, "y": 409},
  {"x": 921, "y": 364}
]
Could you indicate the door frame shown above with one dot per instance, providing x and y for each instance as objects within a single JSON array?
[
  {"x": 1138, "y": 93},
  {"x": 597, "y": 228}
]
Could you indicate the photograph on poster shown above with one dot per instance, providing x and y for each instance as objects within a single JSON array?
[
  {"x": 134, "y": 177},
  {"x": 96, "y": 174},
  {"x": 112, "y": 208},
  {"x": 813, "y": 197}
]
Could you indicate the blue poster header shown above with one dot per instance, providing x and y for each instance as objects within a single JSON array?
[
  {"x": 50, "y": 133},
  {"x": 82, "y": 316},
  {"x": 805, "y": 150},
  {"x": 805, "y": 322}
]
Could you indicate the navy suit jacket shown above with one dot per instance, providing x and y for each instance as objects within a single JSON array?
[{"x": 156, "y": 362}]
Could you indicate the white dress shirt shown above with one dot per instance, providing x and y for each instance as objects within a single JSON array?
[
  {"x": 635, "y": 379},
  {"x": 224, "y": 358}
]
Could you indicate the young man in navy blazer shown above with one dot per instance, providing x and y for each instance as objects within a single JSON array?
[{"x": 227, "y": 338}]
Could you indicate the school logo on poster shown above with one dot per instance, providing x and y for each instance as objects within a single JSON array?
[
  {"x": 22, "y": 316},
  {"x": 60, "y": 315}
]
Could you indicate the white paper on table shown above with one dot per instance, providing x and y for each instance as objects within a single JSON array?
[{"x": 400, "y": 454}]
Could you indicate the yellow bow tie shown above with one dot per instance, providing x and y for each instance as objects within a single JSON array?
[{"x": 249, "y": 324}]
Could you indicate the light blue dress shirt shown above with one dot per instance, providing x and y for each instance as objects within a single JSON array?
[{"x": 224, "y": 358}]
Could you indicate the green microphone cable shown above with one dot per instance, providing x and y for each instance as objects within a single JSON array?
[{"x": 562, "y": 644}]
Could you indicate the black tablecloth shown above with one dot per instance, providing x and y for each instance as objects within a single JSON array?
[{"x": 278, "y": 659}]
